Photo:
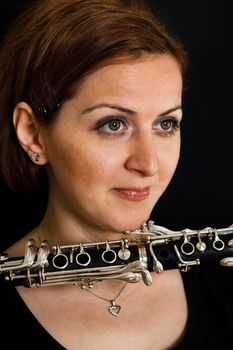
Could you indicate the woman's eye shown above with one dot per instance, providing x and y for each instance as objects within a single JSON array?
[
  {"x": 166, "y": 124},
  {"x": 114, "y": 125},
  {"x": 111, "y": 127},
  {"x": 169, "y": 126}
]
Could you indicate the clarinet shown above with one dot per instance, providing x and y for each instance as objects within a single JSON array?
[{"x": 151, "y": 248}]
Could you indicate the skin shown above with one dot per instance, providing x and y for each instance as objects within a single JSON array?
[{"x": 89, "y": 160}]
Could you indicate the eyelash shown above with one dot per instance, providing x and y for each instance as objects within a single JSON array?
[
  {"x": 175, "y": 125},
  {"x": 104, "y": 123}
]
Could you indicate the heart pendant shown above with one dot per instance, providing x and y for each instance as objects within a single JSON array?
[{"x": 114, "y": 309}]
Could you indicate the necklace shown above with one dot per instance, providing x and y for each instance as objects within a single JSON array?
[{"x": 114, "y": 308}]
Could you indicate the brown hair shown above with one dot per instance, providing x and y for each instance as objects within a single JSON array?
[{"x": 51, "y": 47}]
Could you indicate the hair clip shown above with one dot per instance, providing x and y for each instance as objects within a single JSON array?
[{"x": 45, "y": 110}]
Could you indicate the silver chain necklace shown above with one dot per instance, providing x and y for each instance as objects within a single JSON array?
[{"x": 114, "y": 308}]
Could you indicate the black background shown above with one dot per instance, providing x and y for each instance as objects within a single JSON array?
[{"x": 201, "y": 191}]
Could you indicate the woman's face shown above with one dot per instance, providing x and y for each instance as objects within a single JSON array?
[{"x": 115, "y": 145}]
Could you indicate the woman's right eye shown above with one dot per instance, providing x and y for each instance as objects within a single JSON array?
[{"x": 112, "y": 127}]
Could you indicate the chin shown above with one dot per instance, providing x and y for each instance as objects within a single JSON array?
[
  {"x": 127, "y": 218},
  {"x": 129, "y": 223}
]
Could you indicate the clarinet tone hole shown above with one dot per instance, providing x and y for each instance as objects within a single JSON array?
[
  {"x": 218, "y": 245},
  {"x": 60, "y": 261},
  {"x": 187, "y": 248},
  {"x": 83, "y": 259},
  {"x": 109, "y": 256}
]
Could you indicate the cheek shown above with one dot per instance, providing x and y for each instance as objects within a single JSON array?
[
  {"x": 92, "y": 168},
  {"x": 169, "y": 161}
]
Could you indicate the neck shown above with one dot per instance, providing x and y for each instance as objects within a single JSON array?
[{"x": 70, "y": 232}]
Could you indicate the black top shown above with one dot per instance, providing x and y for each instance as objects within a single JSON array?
[{"x": 209, "y": 293}]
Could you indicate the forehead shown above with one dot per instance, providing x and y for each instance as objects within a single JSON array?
[
  {"x": 147, "y": 79},
  {"x": 148, "y": 69}
]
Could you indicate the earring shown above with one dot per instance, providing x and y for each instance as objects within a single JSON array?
[{"x": 35, "y": 156}]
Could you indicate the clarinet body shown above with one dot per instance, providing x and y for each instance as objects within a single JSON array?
[{"x": 151, "y": 248}]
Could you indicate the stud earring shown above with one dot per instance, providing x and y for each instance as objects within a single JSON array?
[{"x": 35, "y": 156}]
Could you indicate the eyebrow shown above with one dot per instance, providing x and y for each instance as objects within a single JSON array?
[{"x": 123, "y": 109}]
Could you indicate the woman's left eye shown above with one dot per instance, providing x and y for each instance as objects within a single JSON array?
[
  {"x": 112, "y": 126},
  {"x": 168, "y": 126}
]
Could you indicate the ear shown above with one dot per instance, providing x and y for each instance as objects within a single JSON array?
[{"x": 28, "y": 132}]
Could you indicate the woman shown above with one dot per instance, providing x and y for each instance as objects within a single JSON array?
[{"x": 91, "y": 104}]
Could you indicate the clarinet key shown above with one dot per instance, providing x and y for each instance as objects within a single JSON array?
[
  {"x": 124, "y": 253},
  {"x": 218, "y": 244},
  {"x": 201, "y": 246}
]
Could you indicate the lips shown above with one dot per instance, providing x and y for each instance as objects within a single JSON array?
[{"x": 133, "y": 194}]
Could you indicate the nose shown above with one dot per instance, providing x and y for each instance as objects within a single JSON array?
[{"x": 143, "y": 157}]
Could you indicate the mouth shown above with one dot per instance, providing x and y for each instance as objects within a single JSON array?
[{"x": 134, "y": 194}]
